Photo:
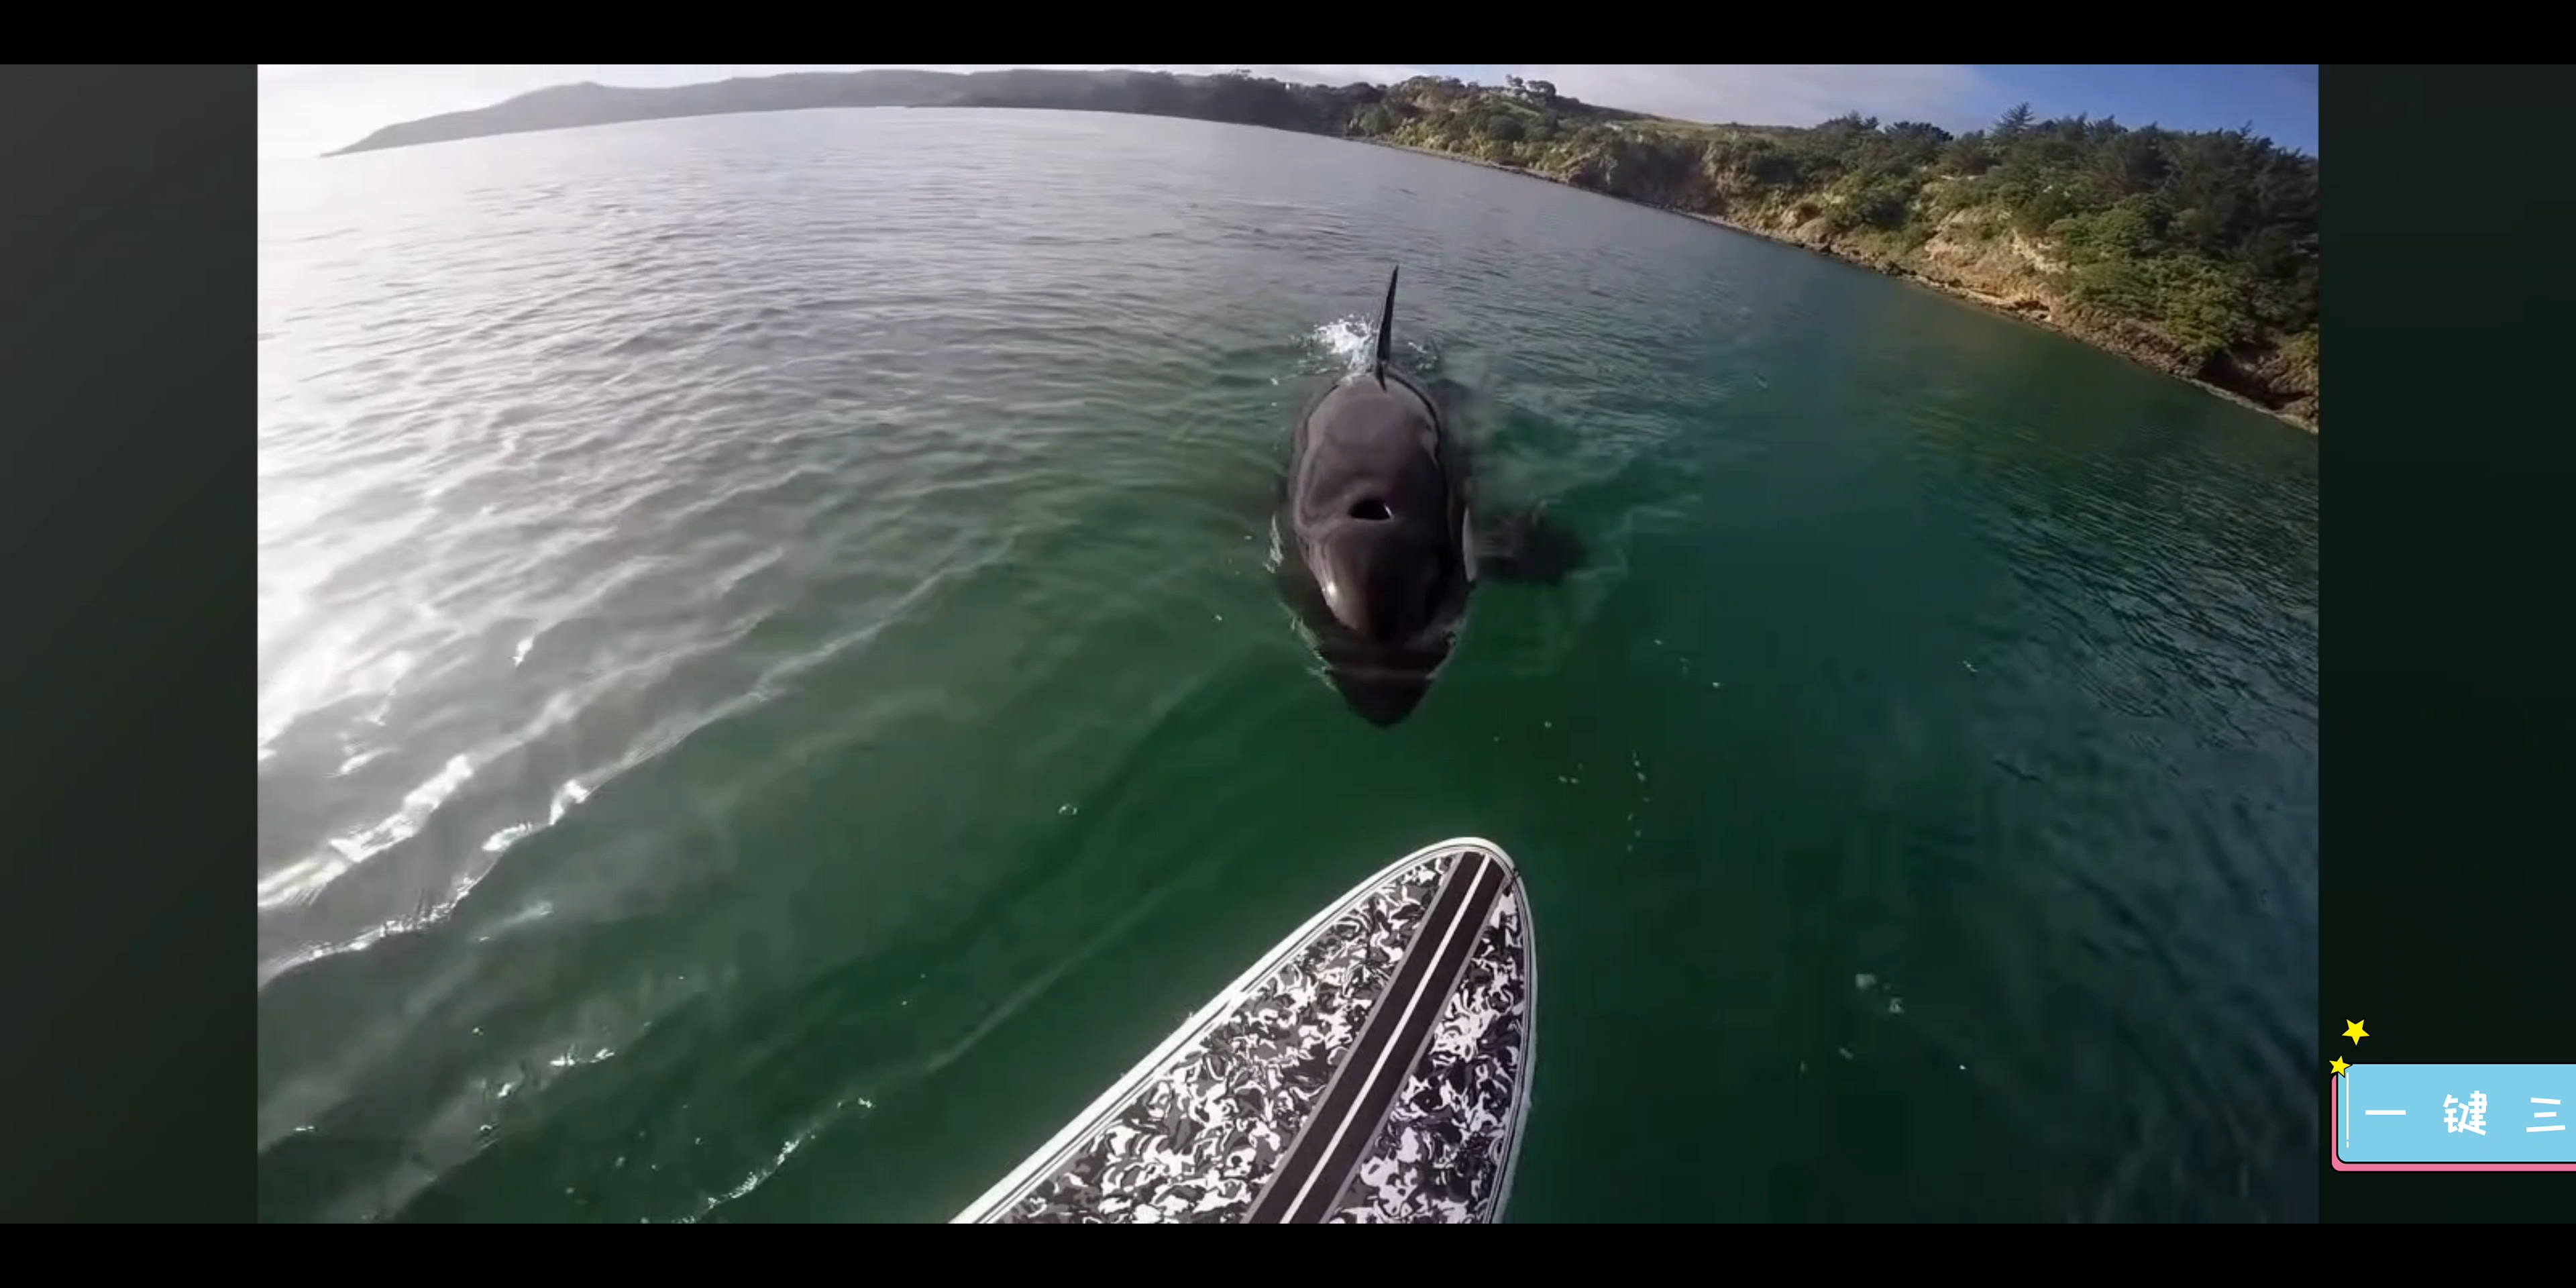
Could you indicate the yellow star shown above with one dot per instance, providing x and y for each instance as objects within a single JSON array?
[
  {"x": 2339, "y": 1065},
  {"x": 2352, "y": 1029}
]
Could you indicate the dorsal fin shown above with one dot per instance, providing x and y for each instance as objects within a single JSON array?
[{"x": 1386, "y": 326}]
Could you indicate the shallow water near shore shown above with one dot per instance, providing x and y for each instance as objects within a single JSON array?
[{"x": 769, "y": 697}]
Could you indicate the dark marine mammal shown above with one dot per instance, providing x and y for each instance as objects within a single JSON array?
[{"x": 1379, "y": 544}]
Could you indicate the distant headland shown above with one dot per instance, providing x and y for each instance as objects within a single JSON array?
[{"x": 2193, "y": 252}]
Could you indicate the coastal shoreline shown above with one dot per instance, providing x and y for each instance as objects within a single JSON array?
[
  {"x": 1961, "y": 293},
  {"x": 2067, "y": 222}
]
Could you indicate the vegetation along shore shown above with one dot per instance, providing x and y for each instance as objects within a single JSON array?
[{"x": 2192, "y": 252}]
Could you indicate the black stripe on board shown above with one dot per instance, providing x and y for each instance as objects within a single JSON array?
[
  {"x": 1337, "y": 1135},
  {"x": 1405, "y": 1047}
]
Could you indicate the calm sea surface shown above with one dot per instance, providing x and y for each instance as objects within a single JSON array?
[{"x": 769, "y": 698}]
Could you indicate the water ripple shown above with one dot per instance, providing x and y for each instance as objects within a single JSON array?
[{"x": 769, "y": 690}]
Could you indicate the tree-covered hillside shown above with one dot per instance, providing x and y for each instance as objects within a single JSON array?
[{"x": 2193, "y": 252}]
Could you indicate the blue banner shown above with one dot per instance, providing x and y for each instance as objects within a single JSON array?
[{"x": 2457, "y": 1113}]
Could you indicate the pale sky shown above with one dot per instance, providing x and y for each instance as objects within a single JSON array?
[{"x": 309, "y": 108}]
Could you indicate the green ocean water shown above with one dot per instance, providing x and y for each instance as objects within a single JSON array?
[{"x": 770, "y": 698}]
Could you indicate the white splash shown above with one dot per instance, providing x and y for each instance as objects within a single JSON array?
[
  {"x": 570, "y": 1059},
  {"x": 506, "y": 837},
  {"x": 1352, "y": 340},
  {"x": 305, "y": 877},
  {"x": 759, "y": 1174},
  {"x": 570, "y": 794}
]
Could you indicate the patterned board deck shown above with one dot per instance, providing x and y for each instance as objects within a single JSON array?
[{"x": 1421, "y": 1125}]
